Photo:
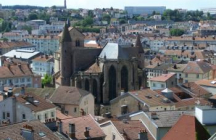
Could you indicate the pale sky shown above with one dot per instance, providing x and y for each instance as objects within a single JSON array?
[{"x": 91, "y": 4}]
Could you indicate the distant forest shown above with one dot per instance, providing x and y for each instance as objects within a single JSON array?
[{"x": 22, "y": 7}]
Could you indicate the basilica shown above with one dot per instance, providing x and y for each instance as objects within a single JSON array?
[{"x": 105, "y": 72}]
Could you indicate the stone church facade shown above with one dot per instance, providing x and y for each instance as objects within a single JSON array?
[{"x": 105, "y": 72}]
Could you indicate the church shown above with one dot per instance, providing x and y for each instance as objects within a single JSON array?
[{"x": 105, "y": 72}]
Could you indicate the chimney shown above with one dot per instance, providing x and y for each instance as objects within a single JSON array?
[
  {"x": 27, "y": 132},
  {"x": 22, "y": 90},
  {"x": 10, "y": 91},
  {"x": 19, "y": 65},
  {"x": 175, "y": 66},
  {"x": 60, "y": 126},
  {"x": 72, "y": 131},
  {"x": 86, "y": 133},
  {"x": 142, "y": 135}
]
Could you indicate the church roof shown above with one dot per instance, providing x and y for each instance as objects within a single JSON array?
[
  {"x": 113, "y": 51},
  {"x": 66, "y": 35},
  {"x": 94, "y": 69}
]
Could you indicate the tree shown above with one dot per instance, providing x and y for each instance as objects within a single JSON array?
[
  {"x": 87, "y": 21},
  {"x": 28, "y": 28},
  {"x": 176, "y": 32},
  {"x": 90, "y": 13},
  {"x": 106, "y": 17},
  {"x": 111, "y": 8},
  {"x": 122, "y": 21},
  {"x": 47, "y": 80},
  {"x": 32, "y": 16}
]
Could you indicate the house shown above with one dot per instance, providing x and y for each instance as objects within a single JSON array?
[
  {"x": 125, "y": 130},
  {"x": 209, "y": 85},
  {"x": 43, "y": 65},
  {"x": 81, "y": 128},
  {"x": 135, "y": 101},
  {"x": 187, "y": 128},
  {"x": 159, "y": 123},
  {"x": 197, "y": 70},
  {"x": 31, "y": 130},
  {"x": 163, "y": 81},
  {"x": 73, "y": 101},
  {"x": 18, "y": 75},
  {"x": 178, "y": 70},
  {"x": 26, "y": 106},
  {"x": 156, "y": 69}
]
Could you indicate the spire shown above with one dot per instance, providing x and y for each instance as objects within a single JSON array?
[
  {"x": 66, "y": 35},
  {"x": 68, "y": 22},
  {"x": 139, "y": 44},
  {"x": 65, "y": 4}
]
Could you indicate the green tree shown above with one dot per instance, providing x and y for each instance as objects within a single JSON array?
[
  {"x": 28, "y": 28},
  {"x": 106, "y": 17},
  {"x": 88, "y": 21},
  {"x": 122, "y": 21},
  {"x": 32, "y": 16},
  {"x": 176, "y": 32},
  {"x": 90, "y": 13},
  {"x": 47, "y": 80}
]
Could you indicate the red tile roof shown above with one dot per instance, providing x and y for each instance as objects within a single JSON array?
[
  {"x": 80, "y": 125},
  {"x": 163, "y": 77},
  {"x": 187, "y": 128},
  {"x": 15, "y": 71},
  {"x": 131, "y": 129}
]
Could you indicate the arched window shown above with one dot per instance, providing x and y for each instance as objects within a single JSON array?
[
  {"x": 87, "y": 84},
  {"x": 77, "y": 43},
  {"x": 124, "y": 78},
  {"x": 112, "y": 83}
]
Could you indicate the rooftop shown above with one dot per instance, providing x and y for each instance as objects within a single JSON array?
[
  {"x": 68, "y": 95},
  {"x": 163, "y": 77},
  {"x": 23, "y": 54}
]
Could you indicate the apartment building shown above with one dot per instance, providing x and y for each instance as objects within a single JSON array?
[{"x": 44, "y": 44}]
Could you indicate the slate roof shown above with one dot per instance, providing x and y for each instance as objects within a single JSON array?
[
  {"x": 113, "y": 51},
  {"x": 66, "y": 35},
  {"x": 41, "y": 104},
  {"x": 168, "y": 118},
  {"x": 197, "y": 67},
  {"x": 68, "y": 95},
  {"x": 187, "y": 128},
  {"x": 44, "y": 93},
  {"x": 80, "y": 125},
  {"x": 13, "y": 131}
]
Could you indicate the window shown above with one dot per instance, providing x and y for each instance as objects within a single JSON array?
[
  {"x": 46, "y": 116},
  {"x": 113, "y": 137},
  {"x": 39, "y": 117},
  {"x": 22, "y": 80},
  {"x": 172, "y": 83},
  {"x": 75, "y": 110},
  {"x": 28, "y": 79},
  {"x": 197, "y": 75},
  {"x": 77, "y": 43},
  {"x": 186, "y": 81},
  {"x": 153, "y": 84},
  {"x": 23, "y": 116},
  {"x": 3, "y": 115},
  {"x": 52, "y": 114},
  {"x": 8, "y": 115},
  {"x": 186, "y": 75},
  {"x": 162, "y": 85}
]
